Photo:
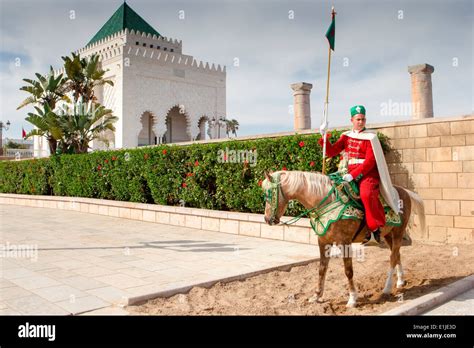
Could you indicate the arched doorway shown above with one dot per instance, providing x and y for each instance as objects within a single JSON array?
[
  {"x": 176, "y": 126},
  {"x": 146, "y": 135},
  {"x": 203, "y": 125}
]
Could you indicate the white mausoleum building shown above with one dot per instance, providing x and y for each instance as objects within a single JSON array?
[{"x": 160, "y": 95}]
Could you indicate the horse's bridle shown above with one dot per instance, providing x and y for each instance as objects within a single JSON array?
[{"x": 272, "y": 195}]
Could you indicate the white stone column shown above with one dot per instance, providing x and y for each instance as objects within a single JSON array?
[
  {"x": 421, "y": 90},
  {"x": 301, "y": 105}
]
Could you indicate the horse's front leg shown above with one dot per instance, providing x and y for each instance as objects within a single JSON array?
[
  {"x": 323, "y": 267},
  {"x": 347, "y": 256}
]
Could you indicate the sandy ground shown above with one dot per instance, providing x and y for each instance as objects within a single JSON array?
[{"x": 427, "y": 267}]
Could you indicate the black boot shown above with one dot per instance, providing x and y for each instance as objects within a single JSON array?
[{"x": 372, "y": 238}]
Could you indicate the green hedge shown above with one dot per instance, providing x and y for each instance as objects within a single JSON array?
[{"x": 168, "y": 174}]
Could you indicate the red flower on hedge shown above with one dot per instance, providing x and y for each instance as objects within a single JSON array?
[
  {"x": 196, "y": 163},
  {"x": 106, "y": 161},
  {"x": 114, "y": 158},
  {"x": 99, "y": 167},
  {"x": 184, "y": 184},
  {"x": 260, "y": 183},
  {"x": 146, "y": 156},
  {"x": 284, "y": 168},
  {"x": 189, "y": 174},
  {"x": 311, "y": 164},
  {"x": 301, "y": 143},
  {"x": 164, "y": 152}
]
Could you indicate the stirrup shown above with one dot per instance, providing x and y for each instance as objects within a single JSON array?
[{"x": 374, "y": 239}]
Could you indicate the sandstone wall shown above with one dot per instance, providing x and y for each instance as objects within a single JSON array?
[{"x": 435, "y": 158}]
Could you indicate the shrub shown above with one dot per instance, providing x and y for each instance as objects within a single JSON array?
[{"x": 171, "y": 174}]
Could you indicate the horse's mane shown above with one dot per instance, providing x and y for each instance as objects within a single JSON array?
[{"x": 317, "y": 184}]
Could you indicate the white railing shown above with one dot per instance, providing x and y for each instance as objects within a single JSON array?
[{"x": 19, "y": 153}]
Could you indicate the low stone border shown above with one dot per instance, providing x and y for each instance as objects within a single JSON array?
[
  {"x": 246, "y": 224},
  {"x": 425, "y": 303}
]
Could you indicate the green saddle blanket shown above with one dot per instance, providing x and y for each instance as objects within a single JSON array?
[{"x": 347, "y": 205}]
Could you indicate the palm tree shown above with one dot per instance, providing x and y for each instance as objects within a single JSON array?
[
  {"x": 47, "y": 89},
  {"x": 83, "y": 75},
  {"x": 85, "y": 122},
  {"x": 73, "y": 127},
  {"x": 47, "y": 124},
  {"x": 232, "y": 126}
]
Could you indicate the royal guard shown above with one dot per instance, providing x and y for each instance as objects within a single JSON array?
[{"x": 367, "y": 166}]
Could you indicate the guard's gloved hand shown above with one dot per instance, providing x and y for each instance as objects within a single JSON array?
[
  {"x": 347, "y": 178},
  {"x": 323, "y": 128}
]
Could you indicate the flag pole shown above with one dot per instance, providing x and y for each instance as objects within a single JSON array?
[
  {"x": 326, "y": 104},
  {"x": 326, "y": 111}
]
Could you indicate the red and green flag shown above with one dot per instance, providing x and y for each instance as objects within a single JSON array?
[{"x": 331, "y": 33}]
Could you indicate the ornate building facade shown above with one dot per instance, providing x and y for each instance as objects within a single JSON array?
[{"x": 160, "y": 95}]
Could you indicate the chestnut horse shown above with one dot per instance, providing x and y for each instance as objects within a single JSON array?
[{"x": 310, "y": 188}]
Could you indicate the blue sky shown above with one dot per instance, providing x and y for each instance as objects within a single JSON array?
[{"x": 375, "y": 43}]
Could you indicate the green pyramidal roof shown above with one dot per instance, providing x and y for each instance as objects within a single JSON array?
[{"x": 123, "y": 18}]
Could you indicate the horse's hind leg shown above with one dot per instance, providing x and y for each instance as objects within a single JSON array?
[
  {"x": 349, "y": 274},
  {"x": 323, "y": 267}
]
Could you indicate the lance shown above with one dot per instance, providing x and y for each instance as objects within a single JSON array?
[{"x": 330, "y": 35}]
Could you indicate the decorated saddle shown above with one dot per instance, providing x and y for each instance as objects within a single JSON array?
[{"x": 346, "y": 205}]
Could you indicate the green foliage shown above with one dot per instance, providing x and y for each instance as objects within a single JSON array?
[
  {"x": 26, "y": 177},
  {"x": 13, "y": 145},
  {"x": 171, "y": 174},
  {"x": 69, "y": 128},
  {"x": 83, "y": 75},
  {"x": 46, "y": 90}
]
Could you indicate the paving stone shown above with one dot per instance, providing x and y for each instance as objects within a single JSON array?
[
  {"x": 83, "y": 304},
  {"x": 34, "y": 304},
  {"x": 34, "y": 282},
  {"x": 108, "y": 311},
  {"x": 110, "y": 294},
  {"x": 59, "y": 293},
  {"x": 122, "y": 281},
  {"x": 13, "y": 292},
  {"x": 83, "y": 283}
]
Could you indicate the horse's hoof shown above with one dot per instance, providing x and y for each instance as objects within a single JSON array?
[
  {"x": 401, "y": 284},
  {"x": 351, "y": 304},
  {"x": 315, "y": 298}
]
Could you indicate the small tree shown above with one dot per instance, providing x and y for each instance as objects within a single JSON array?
[
  {"x": 232, "y": 126},
  {"x": 47, "y": 90},
  {"x": 47, "y": 125},
  {"x": 76, "y": 123},
  {"x": 83, "y": 75},
  {"x": 13, "y": 145},
  {"x": 83, "y": 123}
]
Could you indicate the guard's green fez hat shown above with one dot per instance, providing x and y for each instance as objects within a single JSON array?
[{"x": 358, "y": 109}]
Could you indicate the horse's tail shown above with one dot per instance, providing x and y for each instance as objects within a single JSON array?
[{"x": 418, "y": 207}]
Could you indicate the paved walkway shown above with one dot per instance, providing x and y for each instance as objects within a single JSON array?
[
  {"x": 462, "y": 304},
  {"x": 63, "y": 262}
]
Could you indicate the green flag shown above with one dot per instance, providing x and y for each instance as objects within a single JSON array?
[{"x": 331, "y": 33}]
